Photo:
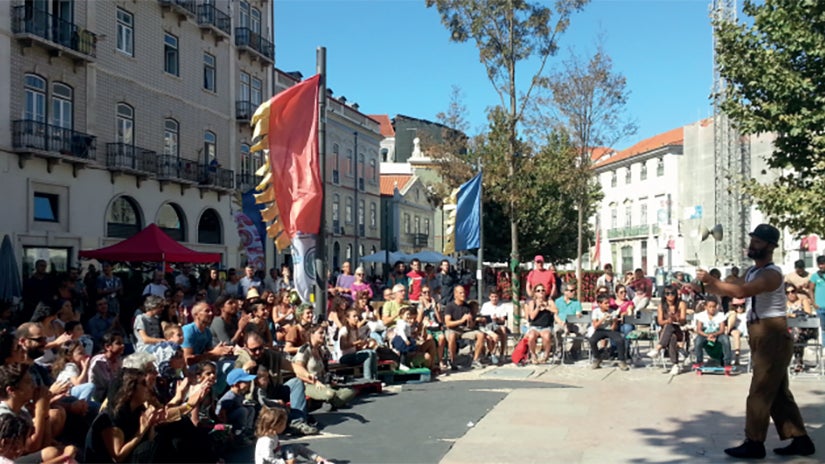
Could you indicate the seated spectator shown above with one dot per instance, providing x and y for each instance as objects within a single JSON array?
[
  {"x": 52, "y": 334},
  {"x": 308, "y": 365},
  {"x": 170, "y": 385},
  {"x": 460, "y": 323},
  {"x": 75, "y": 330},
  {"x": 231, "y": 408},
  {"x": 146, "y": 327},
  {"x": 157, "y": 286},
  {"x": 392, "y": 308},
  {"x": 255, "y": 355},
  {"x": 431, "y": 319},
  {"x": 173, "y": 333},
  {"x": 197, "y": 338},
  {"x": 711, "y": 328},
  {"x": 642, "y": 289},
  {"x": 272, "y": 422},
  {"x": 260, "y": 321},
  {"x": 495, "y": 326},
  {"x": 567, "y": 305},
  {"x": 227, "y": 327},
  {"x": 104, "y": 367},
  {"x": 359, "y": 285},
  {"x": 14, "y": 436},
  {"x": 670, "y": 315},
  {"x": 605, "y": 324},
  {"x": 72, "y": 365},
  {"x": 298, "y": 335},
  {"x": 626, "y": 308},
  {"x": 355, "y": 349},
  {"x": 283, "y": 315},
  {"x": 17, "y": 390},
  {"x": 799, "y": 306},
  {"x": 541, "y": 313},
  {"x": 737, "y": 326}
]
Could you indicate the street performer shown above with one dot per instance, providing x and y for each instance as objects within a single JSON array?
[{"x": 771, "y": 349}]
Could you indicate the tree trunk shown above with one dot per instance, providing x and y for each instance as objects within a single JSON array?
[{"x": 579, "y": 251}]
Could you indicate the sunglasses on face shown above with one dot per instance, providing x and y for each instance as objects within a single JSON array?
[
  {"x": 37, "y": 339},
  {"x": 539, "y": 290},
  {"x": 257, "y": 349},
  {"x": 670, "y": 294},
  {"x": 570, "y": 290},
  {"x": 790, "y": 291}
]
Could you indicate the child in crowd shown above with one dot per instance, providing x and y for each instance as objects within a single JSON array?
[
  {"x": 173, "y": 333},
  {"x": 75, "y": 330},
  {"x": 72, "y": 365},
  {"x": 404, "y": 340},
  {"x": 205, "y": 417},
  {"x": 14, "y": 431},
  {"x": 261, "y": 391},
  {"x": 268, "y": 449},
  {"x": 231, "y": 408}
]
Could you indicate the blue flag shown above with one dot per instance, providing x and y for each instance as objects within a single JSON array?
[{"x": 468, "y": 215}]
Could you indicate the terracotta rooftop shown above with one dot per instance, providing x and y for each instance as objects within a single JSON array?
[
  {"x": 596, "y": 153},
  {"x": 673, "y": 137},
  {"x": 388, "y": 183},
  {"x": 386, "y": 124}
]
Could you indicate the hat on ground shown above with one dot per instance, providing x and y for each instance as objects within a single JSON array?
[
  {"x": 238, "y": 375},
  {"x": 767, "y": 233},
  {"x": 539, "y": 258}
]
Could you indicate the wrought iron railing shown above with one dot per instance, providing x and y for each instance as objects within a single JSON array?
[
  {"x": 127, "y": 156},
  {"x": 246, "y": 180},
  {"x": 174, "y": 168},
  {"x": 217, "y": 176},
  {"x": 244, "y": 37},
  {"x": 29, "y": 20},
  {"x": 244, "y": 110},
  {"x": 210, "y": 15},
  {"x": 184, "y": 6},
  {"x": 35, "y": 135}
]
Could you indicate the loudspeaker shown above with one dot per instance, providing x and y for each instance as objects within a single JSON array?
[{"x": 716, "y": 233}]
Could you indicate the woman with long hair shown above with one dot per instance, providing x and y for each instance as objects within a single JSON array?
[
  {"x": 626, "y": 308},
  {"x": 283, "y": 315},
  {"x": 72, "y": 365},
  {"x": 799, "y": 307},
  {"x": 670, "y": 315},
  {"x": 429, "y": 317},
  {"x": 308, "y": 365},
  {"x": 214, "y": 286}
]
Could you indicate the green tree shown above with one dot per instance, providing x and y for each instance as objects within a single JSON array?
[
  {"x": 587, "y": 101},
  {"x": 774, "y": 70},
  {"x": 507, "y": 34}
]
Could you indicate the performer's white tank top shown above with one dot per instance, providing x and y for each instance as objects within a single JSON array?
[{"x": 769, "y": 304}]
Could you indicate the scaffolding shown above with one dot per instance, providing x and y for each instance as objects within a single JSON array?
[{"x": 732, "y": 166}]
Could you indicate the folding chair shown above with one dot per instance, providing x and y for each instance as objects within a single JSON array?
[
  {"x": 643, "y": 332},
  {"x": 811, "y": 322},
  {"x": 582, "y": 322}
]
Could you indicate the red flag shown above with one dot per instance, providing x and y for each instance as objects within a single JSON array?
[
  {"x": 293, "y": 157},
  {"x": 595, "y": 261}
]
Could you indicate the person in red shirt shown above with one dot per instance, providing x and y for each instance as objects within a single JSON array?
[
  {"x": 416, "y": 279},
  {"x": 541, "y": 276},
  {"x": 643, "y": 289}
]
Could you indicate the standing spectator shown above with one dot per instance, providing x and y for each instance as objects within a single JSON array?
[
  {"x": 110, "y": 286},
  {"x": 416, "y": 280},
  {"x": 214, "y": 286},
  {"x": 799, "y": 278},
  {"x": 344, "y": 282},
  {"x": 79, "y": 298},
  {"x": 643, "y": 289},
  {"x": 799, "y": 306},
  {"x": 445, "y": 282},
  {"x": 540, "y": 276},
  {"x": 157, "y": 286},
  {"x": 399, "y": 275},
  {"x": 39, "y": 287},
  {"x": 232, "y": 287},
  {"x": 184, "y": 280},
  {"x": 608, "y": 279},
  {"x": 249, "y": 281},
  {"x": 817, "y": 289},
  {"x": 286, "y": 278},
  {"x": 271, "y": 281}
]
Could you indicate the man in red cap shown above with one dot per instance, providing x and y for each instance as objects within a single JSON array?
[
  {"x": 541, "y": 276},
  {"x": 771, "y": 349}
]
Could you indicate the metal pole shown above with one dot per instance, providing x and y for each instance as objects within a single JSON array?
[
  {"x": 321, "y": 254},
  {"x": 355, "y": 256},
  {"x": 480, "y": 265},
  {"x": 669, "y": 231}
]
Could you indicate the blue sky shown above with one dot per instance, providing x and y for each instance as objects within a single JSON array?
[{"x": 395, "y": 57}]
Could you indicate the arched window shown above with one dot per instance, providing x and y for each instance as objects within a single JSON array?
[
  {"x": 172, "y": 221},
  {"x": 171, "y": 131},
  {"x": 210, "y": 229},
  {"x": 349, "y": 252},
  {"x": 62, "y": 112},
  {"x": 125, "y": 124},
  {"x": 246, "y": 164},
  {"x": 336, "y": 255},
  {"x": 123, "y": 219},
  {"x": 35, "y": 98}
]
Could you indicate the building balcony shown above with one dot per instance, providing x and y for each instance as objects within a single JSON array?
[
  {"x": 184, "y": 8},
  {"x": 244, "y": 110},
  {"x": 419, "y": 240},
  {"x": 216, "y": 178},
  {"x": 629, "y": 232},
  {"x": 176, "y": 169},
  {"x": 56, "y": 35},
  {"x": 260, "y": 48},
  {"x": 246, "y": 180},
  {"x": 210, "y": 17},
  {"x": 125, "y": 157},
  {"x": 53, "y": 143}
]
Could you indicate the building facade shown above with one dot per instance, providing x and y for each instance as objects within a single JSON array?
[
  {"x": 124, "y": 113},
  {"x": 410, "y": 215}
]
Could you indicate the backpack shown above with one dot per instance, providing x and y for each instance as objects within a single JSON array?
[{"x": 520, "y": 351}]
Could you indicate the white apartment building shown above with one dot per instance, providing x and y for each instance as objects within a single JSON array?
[
  {"x": 123, "y": 113},
  {"x": 408, "y": 210},
  {"x": 352, "y": 191},
  {"x": 636, "y": 217}
]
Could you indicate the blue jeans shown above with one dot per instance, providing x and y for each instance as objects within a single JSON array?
[
  {"x": 368, "y": 357},
  {"x": 821, "y": 314},
  {"x": 297, "y": 399},
  {"x": 720, "y": 339}
]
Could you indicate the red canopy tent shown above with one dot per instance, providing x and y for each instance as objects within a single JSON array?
[{"x": 151, "y": 244}]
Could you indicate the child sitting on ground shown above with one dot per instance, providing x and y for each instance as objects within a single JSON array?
[
  {"x": 268, "y": 450},
  {"x": 404, "y": 340},
  {"x": 231, "y": 408}
]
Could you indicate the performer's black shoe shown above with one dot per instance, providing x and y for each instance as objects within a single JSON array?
[
  {"x": 800, "y": 446},
  {"x": 748, "y": 450}
]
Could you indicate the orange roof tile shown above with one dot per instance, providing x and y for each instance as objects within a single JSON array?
[
  {"x": 596, "y": 153},
  {"x": 388, "y": 183},
  {"x": 665, "y": 139},
  {"x": 386, "y": 124}
]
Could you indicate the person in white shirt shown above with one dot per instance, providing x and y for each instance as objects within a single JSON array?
[
  {"x": 495, "y": 326},
  {"x": 711, "y": 328},
  {"x": 157, "y": 286},
  {"x": 268, "y": 449}
]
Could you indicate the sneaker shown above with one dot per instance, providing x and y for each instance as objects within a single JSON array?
[
  {"x": 597, "y": 363},
  {"x": 453, "y": 366},
  {"x": 654, "y": 353},
  {"x": 623, "y": 366},
  {"x": 728, "y": 370},
  {"x": 403, "y": 367},
  {"x": 477, "y": 365},
  {"x": 302, "y": 428},
  {"x": 675, "y": 370},
  {"x": 748, "y": 450},
  {"x": 696, "y": 366},
  {"x": 800, "y": 446},
  {"x": 494, "y": 359}
]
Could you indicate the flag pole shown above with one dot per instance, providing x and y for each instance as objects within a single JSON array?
[
  {"x": 321, "y": 253},
  {"x": 480, "y": 264}
]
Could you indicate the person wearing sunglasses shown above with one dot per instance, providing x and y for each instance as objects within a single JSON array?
[
  {"x": 670, "y": 315},
  {"x": 799, "y": 306},
  {"x": 541, "y": 313},
  {"x": 771, "y": 350}
]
